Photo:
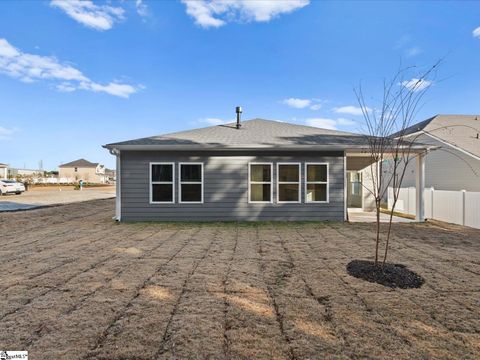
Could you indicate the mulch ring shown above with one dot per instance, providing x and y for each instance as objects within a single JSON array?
[{"x": 390, "y": 275}]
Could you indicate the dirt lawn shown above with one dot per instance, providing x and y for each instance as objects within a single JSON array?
[
  {"x": 50, "y": 195},
  {"x": 76, "y": 285}
]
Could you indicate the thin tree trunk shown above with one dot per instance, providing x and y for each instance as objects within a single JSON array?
[
  {"x": 378, "y": 232},
  {"x": 388, "y": 236}
]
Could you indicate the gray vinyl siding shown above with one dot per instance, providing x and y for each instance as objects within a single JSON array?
[
  {"x": 446, "y": 168},
  {"x": 225, "y": 188}
]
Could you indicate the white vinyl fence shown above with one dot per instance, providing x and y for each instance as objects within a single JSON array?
[
  {"x": 54, "y": 180},
  {"x": 458, "y": 207}
]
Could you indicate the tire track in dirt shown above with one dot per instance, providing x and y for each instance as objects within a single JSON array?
[
  {"x": 431, "y": 287},
  {"x": 324, "y": 301},
  {"x": 226, "y": 324},
  {"x": 101, "y": 339},
  {"x": 107, "y": 281},
  {"x": 67, "y": 280},
  {"x": 354, "y": 292},
  {"x": 419, "y": 305},
  {"x": 84, "y": 247},
  {"x": 30, "y": 222},
  {"x": 271, "y": 294},
  {"x": 59, "y": 242},
  {"x": 423, "y": 264},
  {"x": 45, "y": 230},
  {"x": 167, "y": 334}
]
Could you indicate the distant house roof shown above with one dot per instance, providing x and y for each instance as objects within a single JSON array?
[
  {"x": 80, "y": 163},
  {"x": 253, "y": 134},
  {"x": 458, "y": 130},
  {"x": 3, "y": 165}
]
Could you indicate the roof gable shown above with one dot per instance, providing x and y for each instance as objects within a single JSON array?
[
  {"x": 80, "y": 163},
  {"x": 458, "y": 130}
]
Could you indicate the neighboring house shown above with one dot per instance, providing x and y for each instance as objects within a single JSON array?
[
  {"x": 82, "y": 169},
  {"x": 110, "y": 175},
  {"x": 455, "y": 165},
  {"x": 257, "y": 170},
  {"x": 3, "y": 171}
]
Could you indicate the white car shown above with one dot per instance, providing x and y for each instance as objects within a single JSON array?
[{"x": 11, "y": 187}]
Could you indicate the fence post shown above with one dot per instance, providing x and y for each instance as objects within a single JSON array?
[{"x": 464, "y": 206}]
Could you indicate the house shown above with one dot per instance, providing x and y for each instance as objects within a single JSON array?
[
  {"x": 110, "y": 175},
  {"x": 82, "y": 169},
  {"x": 254, "y": 170},
  {"x": 3, "y": 171},
  {"x": 455, "y": 165}
]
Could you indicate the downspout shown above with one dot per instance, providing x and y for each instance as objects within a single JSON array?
[{"x": 118, "y": 193}]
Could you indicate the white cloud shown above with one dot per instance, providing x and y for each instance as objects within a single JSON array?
[
  {"x": 65, "y": 87},
  {"x": 476, "y": 32},
  {"x": 413, "y": 51},
  {"x": 351, "y": 110},
  {"x": 216, "y": 13},
  {"x": 416, "y": 84},
  {"x": 29, "y": 68},
  {"x": 313, "y": 104},
  {"x": 331, "y": 124},
  {"x": 6, "y": 132},
  {"x": 98, "y": 17},
  {"x": 214, "y": 121},
  {"x": 297, "y": 103},
  {"x": 141, "y": 7}
]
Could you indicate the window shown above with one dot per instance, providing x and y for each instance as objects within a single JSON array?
[
  {"x": 288, "y": 182},
  {"x": 191, "y": 183},
  {"x": 260, "y": 183},
  {"x": 162, "y": 183},
  {"x": 316, "y": 182}
]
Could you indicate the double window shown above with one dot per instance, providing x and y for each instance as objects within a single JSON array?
[
  {"x": 260, "y": 182},
  {"x": 288, "y": 182},
  {"x": 162, "y": 183},
  {"x": 316, "y": 182}
]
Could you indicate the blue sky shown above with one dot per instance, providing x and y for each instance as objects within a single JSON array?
[{"x": 74, "y": 76}]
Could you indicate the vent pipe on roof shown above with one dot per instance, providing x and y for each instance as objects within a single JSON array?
[{"x": 238, "y": 110}]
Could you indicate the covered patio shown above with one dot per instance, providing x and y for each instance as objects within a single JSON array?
[{"x": 359, "y": 200}]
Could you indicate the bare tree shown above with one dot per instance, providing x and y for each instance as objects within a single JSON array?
[{"x": 401, "y": 100}]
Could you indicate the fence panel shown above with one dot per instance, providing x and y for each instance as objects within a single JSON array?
[
  {"x": 458, "y": 207},
  {"x": 448, "y": 206},
  {"x": 427, "y": 200},
  {"x": 472, "y": 209}
]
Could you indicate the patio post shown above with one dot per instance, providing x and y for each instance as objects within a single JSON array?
[{"x": 420, "y": 187}]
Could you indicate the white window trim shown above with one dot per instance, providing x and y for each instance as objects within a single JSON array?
[
  {"x": 180, "y": 183},
  {"x": 260, "y": 182},
  {"x": 151, "y": 183},
  {"x": 317, "y": 182},
  {"x": 299, "y": 182}
]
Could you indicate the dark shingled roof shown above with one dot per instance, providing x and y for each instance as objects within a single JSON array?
[
  {"x": 79, "y": 163},
  {"x": 256, "y": 133}
]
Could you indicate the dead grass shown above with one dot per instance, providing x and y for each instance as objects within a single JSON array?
[{"x": 75, "y": 285}]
